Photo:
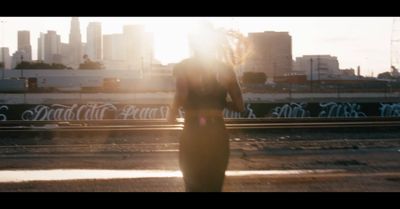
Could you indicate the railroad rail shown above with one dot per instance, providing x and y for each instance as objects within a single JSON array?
[{"x": 231, "y": 124}]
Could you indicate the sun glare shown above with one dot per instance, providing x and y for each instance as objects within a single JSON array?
[
  {"x": 171, "y": 43},
  {"x": 170, "y": 40}
]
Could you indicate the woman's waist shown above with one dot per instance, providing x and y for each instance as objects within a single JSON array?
[
  {"x": 205, "y": 103},
  {"x": 204, "y": 113},
  {"x": 203, "y": 118}
]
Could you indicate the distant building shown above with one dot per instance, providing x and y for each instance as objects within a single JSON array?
[
  {"x": 115, "y": 46},
  {"x": 83, "y": 50},
  {"x": 138, "y": 47},
  {"x": 107, "y": 47},
  {"x": 131, "y": 50},
  {"x": 49, "y": 47},
  {"x": 348, "y": 73},
  {"x": 323, "y": 67},
  {"x": 5, "y": 57},
  {"x": 65, "y": 54},
  {"x": 271, "y": 53},
  {"x": 40, "y": 55},
  {"x": 148, "y": 50},
  {"x": 75, "y": 42},
  {"x": 18, "y": 57},
  {"x": 24, "y": 44},
  {"x": 114, "y": 52},
  {"x": 94, "y": 41}
]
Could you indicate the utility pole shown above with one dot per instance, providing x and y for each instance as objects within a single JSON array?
[
  {"x": 142, "y": 64},
  {"x": 318, "y": 69},
  {"x": 311, "y": 75},
  {"x": 22, "y": 70},
  {"x": 274, "y": 72},
  {"x": 395, "y": 43}
]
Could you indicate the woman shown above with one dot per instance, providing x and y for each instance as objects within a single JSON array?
[{"x": 203, "y": 84}]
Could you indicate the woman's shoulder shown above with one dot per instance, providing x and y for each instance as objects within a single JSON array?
[
  {"x": 191, "y": 63},
  {"x": 185, "y": 61},
  {"x": 182, "y": 65},
  {"x": 226, "y": 68}
]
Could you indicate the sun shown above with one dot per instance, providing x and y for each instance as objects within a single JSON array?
[{"x": 170, "y": 39}]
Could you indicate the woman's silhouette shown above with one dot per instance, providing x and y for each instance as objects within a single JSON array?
[{"x": 205, "y": 85}]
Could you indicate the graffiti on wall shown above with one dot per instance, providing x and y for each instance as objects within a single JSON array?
[
  {"x": 62, "y": 112},
  {"x": 132, "y": 112},
  {"x": 67, "y": 112},
  {"x": 346, "y": 110},
  {"x": 292, "y": 110},
  {"x": 389, "y": 110},
  {"x": 248, "y": 113},
  {"x": 3, "y": 116},
  {"x": 103, "y": 111}
]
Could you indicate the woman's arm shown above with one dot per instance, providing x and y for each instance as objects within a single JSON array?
[
  {"x": 180, "y": 97},
  {"x": 235, "y": 93}
]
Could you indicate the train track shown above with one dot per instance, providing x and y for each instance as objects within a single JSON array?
[{"x": 231, "y": 124}]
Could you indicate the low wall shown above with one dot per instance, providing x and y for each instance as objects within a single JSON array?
[{"x": 100, "y": 111}]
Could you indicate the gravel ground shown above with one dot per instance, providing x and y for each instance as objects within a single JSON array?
[{"x": 372, "y": 157}]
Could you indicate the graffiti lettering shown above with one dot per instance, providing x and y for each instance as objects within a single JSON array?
[
  {"x": 347, "y": 110},
  {"x": 134, "y": 112},
  {"x": 292, "y": 110},
  {"x": 68, "y": 112},
  {"x": 389, "y": 110},
  {"x": 3, "y": 117},
  {"x": 65, "y": 112},
  {"x": 247, "y": 114}
]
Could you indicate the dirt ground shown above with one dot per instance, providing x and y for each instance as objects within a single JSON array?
[{"x": 371, "y": 162}]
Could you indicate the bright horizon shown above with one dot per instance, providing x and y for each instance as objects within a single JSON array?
[{"x": 363, "y": 41}]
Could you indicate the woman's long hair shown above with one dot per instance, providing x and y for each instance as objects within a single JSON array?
[
  {"x": 226, "y": 45},
  {"x": 234, "y": 47}
]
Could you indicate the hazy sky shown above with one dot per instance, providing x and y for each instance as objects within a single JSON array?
[{"x": 363, "y": 41}]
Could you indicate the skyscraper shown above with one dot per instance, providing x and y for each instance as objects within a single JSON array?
[
  {"x": 5, "y": 58},
  {"x": 40, "y": 55},
  {"x": 114, "y": 47},
  {"x": 134, "y": 39},
  {"x": 75, "y": 43},
  {"x": 114, "y": 52},
  {"x": 107, "y": 47},
  {"x": 49, "y": 47},
  {"x": 94, "y": 41},
  {"x": 138, "y": 47},
  {"x": 271, "y": 53},
  {"x": 24, "y": 44}
]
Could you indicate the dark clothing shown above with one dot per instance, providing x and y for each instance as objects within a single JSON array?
[
  {"x": 204, "y": 143},
  {"x": 210, "y": 94},
  {"x": 204, "y": 154}
]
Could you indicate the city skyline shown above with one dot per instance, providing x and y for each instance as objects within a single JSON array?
[{"x": 363, "y": 41}]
